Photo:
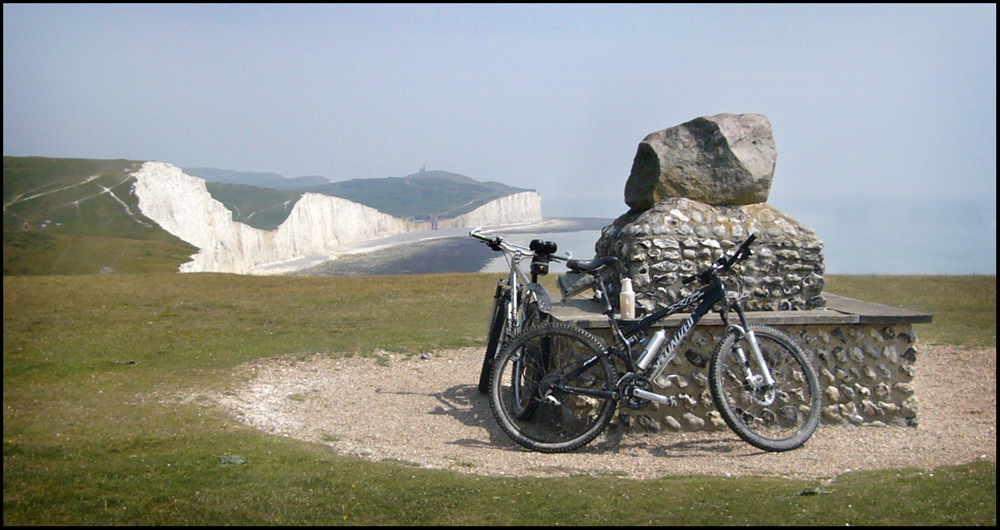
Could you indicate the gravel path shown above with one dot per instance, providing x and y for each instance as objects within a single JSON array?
[{"x": 427, "y": 412}]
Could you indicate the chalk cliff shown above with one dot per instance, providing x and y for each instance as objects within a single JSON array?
[
  {"x": 523, "y": 207},
  {"x": 318, "y": 225}
]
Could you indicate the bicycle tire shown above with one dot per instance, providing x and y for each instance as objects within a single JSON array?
[
  {"x": 569, "y": 421},
  {"x": 794, "y": 413},
  {"x": 529, "y": 316},
  {"x": 494, "y": 342}
]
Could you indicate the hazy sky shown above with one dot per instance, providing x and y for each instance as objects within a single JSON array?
[{"x": 892, "y": 104}]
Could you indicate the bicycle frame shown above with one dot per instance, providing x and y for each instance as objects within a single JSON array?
[
  {"x": 516, "y": 277},
  {"x": 530, "y": 284},
  {"x": 703, "y": 300}
]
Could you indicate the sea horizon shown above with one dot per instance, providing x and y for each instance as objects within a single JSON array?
[{"x": 850, "y": 248}]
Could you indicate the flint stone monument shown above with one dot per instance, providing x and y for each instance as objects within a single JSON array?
[{"x": 696, "y": 191}]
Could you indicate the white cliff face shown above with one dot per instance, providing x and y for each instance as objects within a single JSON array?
[
  {"x": 182, "y": 206},
  {"x": 524, "y": 207},
  {"x": 317, "y": 225}
]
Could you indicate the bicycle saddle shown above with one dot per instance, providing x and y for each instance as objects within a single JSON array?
[{"x": 592, "y": 265}]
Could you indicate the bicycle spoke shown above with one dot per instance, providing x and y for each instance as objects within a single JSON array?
[
  {"x": 544, "y": 416},
  {"x": 775, "y": 418}
]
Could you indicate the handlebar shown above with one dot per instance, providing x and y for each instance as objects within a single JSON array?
[{"x": 498, "y": 244}]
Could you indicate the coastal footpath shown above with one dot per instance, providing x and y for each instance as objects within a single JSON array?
[{"x": 318, "y": 227}]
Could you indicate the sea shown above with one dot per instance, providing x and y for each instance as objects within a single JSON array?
[
  {"x": 932, "y": 237},
  {"x": 864, "y": 236},
  {"x": 577, "y": 244},
  {"x": 941, "y": 235}
]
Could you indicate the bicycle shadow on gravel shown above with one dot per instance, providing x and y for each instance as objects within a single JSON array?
[
  {"x": 464, "y": 404},
  {"x": 690, "y": 448},
  {"x": 467, "y": 406},
  {"x": 617, "y": 440}
]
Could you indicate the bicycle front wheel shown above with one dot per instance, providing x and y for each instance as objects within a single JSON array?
[
  {"x": 494, "y": 340},
  {"x": 780, "y": 418},
  {"x": 535, "y": 399}
]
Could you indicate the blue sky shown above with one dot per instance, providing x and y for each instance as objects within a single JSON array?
[{"x": 889, "y": 107}]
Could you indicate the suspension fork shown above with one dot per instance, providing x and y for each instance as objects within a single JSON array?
[
  {"x": 514, "y": 298},
  {"x": 758, "y": 357}
]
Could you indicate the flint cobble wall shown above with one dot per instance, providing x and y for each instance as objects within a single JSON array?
[
  {"x": 865, "y": 374},
  {"x": 679, "y": 237}
]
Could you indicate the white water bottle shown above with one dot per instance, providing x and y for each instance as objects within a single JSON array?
[{"x": 626, "y": 300}]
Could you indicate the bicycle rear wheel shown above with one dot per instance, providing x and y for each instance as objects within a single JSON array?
[
  {"x": 559, "y": 417},
  {"x": 780, "y": 419}
]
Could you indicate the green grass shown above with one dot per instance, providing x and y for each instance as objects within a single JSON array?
[
  {"x": 34, "y": 253},
  {"x": 964, "y": 308},
  {"x": 79, "y": 216},
  {"x": 93, "y": 431},
  {"x": 261, "y": 208}
]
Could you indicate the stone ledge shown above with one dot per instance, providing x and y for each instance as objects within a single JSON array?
[
  {"x": 872, "y": 313},
  {"x": 586, "y": 313}
]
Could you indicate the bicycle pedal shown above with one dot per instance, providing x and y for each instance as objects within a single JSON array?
[{"x": 552, "y": 399}]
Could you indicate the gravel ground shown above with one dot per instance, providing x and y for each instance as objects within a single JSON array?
[{"x": 427, "y": 412}]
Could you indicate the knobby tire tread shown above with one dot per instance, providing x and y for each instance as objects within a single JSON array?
[
  {"x": 728, "y": 414},
  {"x": 493, "y": 341},
  {"x": 508, "y": 420}
]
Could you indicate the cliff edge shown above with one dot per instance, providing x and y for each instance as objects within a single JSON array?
[{"x": 318, "y": 224}]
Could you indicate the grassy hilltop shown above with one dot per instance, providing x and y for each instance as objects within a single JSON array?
[
  {"x": 79, "y": 216},
  {"x": 438, "y": 193},
  {"x": 263, "y": 201}
]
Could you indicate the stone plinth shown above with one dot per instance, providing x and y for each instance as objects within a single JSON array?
[
  {"x": 864, "y": 355},
  {"x": 680, "y": 237}
]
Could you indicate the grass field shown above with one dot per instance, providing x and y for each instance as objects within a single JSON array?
[
  {"x": 93, "y": 432},
  {"x": 79, "y": 216}
]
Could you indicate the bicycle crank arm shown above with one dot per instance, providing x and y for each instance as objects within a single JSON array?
[{"x": 663, "y": 400}]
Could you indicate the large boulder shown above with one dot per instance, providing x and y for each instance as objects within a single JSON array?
[{"x": 726, "y": 159}]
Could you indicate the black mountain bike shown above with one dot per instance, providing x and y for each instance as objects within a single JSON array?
[
  {"x": 519, "y": 302},
  {"x": 555, "y": 387}
]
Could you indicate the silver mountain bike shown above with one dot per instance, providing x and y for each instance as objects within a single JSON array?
[{"x": 519, "y": 302}]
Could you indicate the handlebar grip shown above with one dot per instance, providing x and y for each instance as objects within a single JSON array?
[
  {"x": 745, "y": 247},
  {"x": 742, "y": 252}
]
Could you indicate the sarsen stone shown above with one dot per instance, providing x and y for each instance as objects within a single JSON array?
[{"x": 726, "y": 159}]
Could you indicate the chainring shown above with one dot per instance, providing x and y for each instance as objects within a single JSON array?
[{"x": 626, "y": 393}]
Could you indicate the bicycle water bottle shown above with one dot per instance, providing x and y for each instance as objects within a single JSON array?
[
  {"x": 653, "y": 345},
  {"x": 627, "y": 300}
]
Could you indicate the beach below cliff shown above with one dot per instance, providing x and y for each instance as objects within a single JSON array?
[{"x": 424, "y": 252}]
